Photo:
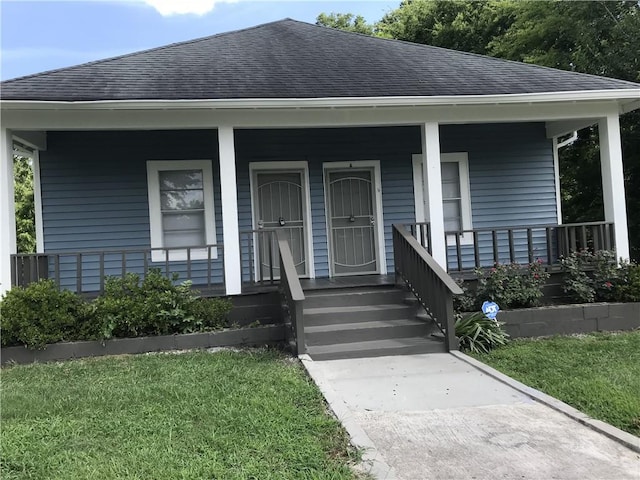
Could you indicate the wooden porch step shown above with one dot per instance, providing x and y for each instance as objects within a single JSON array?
[
  {"x": 353, "y": 296},
  {"x": 376, "y": 348},
  {"x": 366, "y": 331},
  {"x": 356, "y": 313}
]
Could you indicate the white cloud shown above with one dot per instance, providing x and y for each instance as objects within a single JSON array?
[{"x": 180, "y": 7}]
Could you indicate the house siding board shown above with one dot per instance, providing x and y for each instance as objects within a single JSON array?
[
  {"x": 510, "y": 168},
  {"x": 512, "y": 183},
  {"x": 105, "y": 173}
]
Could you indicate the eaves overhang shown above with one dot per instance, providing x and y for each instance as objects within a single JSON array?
[{"x": 627, "y": 99}]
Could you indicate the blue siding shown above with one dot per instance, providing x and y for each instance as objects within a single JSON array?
[
  {"x": 94, "y": 186},
  {"x": 94, "y": 196},
  {"x": 512, "y": 183}
]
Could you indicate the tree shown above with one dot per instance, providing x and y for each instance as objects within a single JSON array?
[
  {"x": 25, "y": 209},
  {"x": 345, "y": 21}
]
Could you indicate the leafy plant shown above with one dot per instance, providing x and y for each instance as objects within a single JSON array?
[
  {"x": 479, "y": 334},
  {"x": 628, "y": 288},
  {"x": 512, "y": 285},
  {"x": 40, "y": 313},
  {"x": 466, "y": 301},
  {"x": 156, "y": 306},
  {"x": 591, "y": 277}
]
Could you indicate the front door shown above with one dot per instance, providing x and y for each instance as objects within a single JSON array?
[
  {"x": 280, "y": 205},
  {"x": 353, "y": 238}
]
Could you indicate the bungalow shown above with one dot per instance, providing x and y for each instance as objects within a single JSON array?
[{"x": 211, "y": 157}]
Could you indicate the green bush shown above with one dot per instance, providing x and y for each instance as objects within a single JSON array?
[
  {"x": 41, "y": 314},
  {"x": 511, "y": 285},
  {"x": 628, "y": 287},
  {"x": 156, "y": 306},
  {"x": 592, "y": 277},
  {"x": 211, "y": 313},
  {"x": 479, "y": 334}
]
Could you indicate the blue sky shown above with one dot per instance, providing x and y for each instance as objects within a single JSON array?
[{"x": 43, "y": 35}]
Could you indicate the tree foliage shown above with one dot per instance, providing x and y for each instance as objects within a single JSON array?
[
  {"x": 345, "y": 21},
  {"x": 596, "y": 37},
  {"x": 24, "y": 201}
]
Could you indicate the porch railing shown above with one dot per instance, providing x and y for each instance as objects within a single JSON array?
[
  {"x": 85, "y": 271},
  {"x": 484, "y": 247},
  {"x": 292, "y": 295},
  {"x": 431, "y": 285},
  {"x": 259, "y": 267}
]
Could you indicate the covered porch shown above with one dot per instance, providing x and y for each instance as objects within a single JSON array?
[{"x": 499, "y": 204}]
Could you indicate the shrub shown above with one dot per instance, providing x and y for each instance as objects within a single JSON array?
[
  {"x": 479, "y": 334},
  {"x": 628, "y": 288},
  {"x": 466, "y": 301},
  {"x": 156, "y": 306},
  {"x": 512, "y": 285},
  {"x": 40, "y": 313},
  {"x": 211, "y": 313},
  {"x": 591, "y": 277}
]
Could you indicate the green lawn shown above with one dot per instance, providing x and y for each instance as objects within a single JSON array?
[
  {"x": 198, "y": 415},
  {"x": 598, "y": 374}
]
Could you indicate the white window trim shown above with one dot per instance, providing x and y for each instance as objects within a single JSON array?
[
  {"x": 308, "y": 219},
  {"x": 462, "y": 159},
  {"x": 154, "y": 167},
  {"x": 375, "y": 164}
]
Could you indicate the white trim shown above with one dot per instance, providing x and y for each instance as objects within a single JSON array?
[
  {"x": 432, "y": 181},
  {"x": 375, "y": 164},
  {"x": 462, "y": 159},
  {"x": 556, "y": 179},
  {"x": 615, "y": 209},
  {"x": 37, "y": 201},
  {"x": 296, "y": 166},
  {"x": 195, "y": 117},
  {"x": 155, "y": 216},
  {"x": 252, "y": 103},
  {"x": 229, "y": 200},
  {"x": 8, "y": 243}
]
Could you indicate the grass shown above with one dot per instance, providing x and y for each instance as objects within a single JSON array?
[
  {"x": 228, "y": 415},
  {"x": 598, "y": 373}
]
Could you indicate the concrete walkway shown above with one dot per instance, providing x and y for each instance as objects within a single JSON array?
[{"x": 435, "y": 416}]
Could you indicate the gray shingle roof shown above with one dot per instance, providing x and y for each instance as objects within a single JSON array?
[{"x": 292, "y": 59}]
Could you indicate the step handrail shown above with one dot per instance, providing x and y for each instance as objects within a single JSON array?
[
  {"x": 428, "y": 281},
  {"x": 292, "y": 295}
]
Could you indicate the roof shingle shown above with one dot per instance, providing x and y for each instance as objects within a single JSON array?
[{"x": 292, "y": 59}]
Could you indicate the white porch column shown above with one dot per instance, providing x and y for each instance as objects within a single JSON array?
[
  {"x": 432, "y": 181},
  {"x": 7, "y": 210},
  {"x": 229, "y": 194},
  {"x": 613, "y": 181}
]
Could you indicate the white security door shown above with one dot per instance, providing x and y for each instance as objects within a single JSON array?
[
  {"x": 280, "y": 205},
  {"x": 352, "y": 221}
]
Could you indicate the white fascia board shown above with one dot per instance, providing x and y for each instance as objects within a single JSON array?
[
  {"x": 334, "y": 102},
  {"x": 122, "y": 119}
]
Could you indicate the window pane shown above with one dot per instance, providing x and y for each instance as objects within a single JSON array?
[
  {"x": 450, "y": 180},
  {"x": 184, "y": 238},
  {"x": 183, "y": 221},
  {"x": 452, "y": 215},
  {"x": 182, "y": 200},
  {"x": 180, "y": 179}
]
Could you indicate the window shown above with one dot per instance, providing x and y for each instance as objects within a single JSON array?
[
  {"x": 456, "y": 197},
  {"x": 181, "y": 208}
]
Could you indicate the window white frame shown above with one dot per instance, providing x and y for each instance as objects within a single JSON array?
[
  {"x": 375, "y": 165},
  {"x": 462, "y": 159},
  {"x": 154, "y": 167},
  {"x": 293, "y": 166}
]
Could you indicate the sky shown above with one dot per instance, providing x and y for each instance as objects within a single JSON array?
[{"x": 43, "y": 35}]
